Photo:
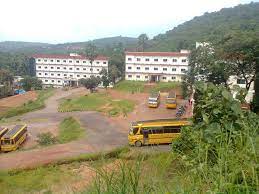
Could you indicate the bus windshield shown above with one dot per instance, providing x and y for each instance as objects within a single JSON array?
[
  {"x": 6, "y": 142},
  {"x": 170, "y": 101},
  {"x": 133, "y": 130}
]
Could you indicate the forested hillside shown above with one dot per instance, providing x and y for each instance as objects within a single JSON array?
[{"x": 209, "y": 27}]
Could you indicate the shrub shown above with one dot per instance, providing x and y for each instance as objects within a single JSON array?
[
  {"x": 219, "y": 149},
  {"x": 46, "y": 139}
]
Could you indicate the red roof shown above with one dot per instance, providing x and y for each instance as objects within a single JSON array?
[
  {"x": 160, "y": 54},
  {"x": 52, "y": 56}
]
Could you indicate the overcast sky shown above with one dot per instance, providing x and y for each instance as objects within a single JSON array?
[{"x": 58, "y": 21}]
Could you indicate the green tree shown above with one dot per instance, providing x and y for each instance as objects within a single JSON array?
[
  {"x": 241, "y": 50},
  {"x": 142, "y": 42},
  {"x": 91, "y": 53},
  {"x": 114, "y": 73},
  {"x": 105, "y": 78},
  {"x": 31, "y": 83},
  {"x": 90, "y": 83}
]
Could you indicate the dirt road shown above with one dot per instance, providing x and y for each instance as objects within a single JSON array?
[{"x": 103, "y": 133}]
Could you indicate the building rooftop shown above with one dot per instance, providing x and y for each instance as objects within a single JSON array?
[
  {"x": 71, "y": 56},
  {"x": 160, "y": 54}
]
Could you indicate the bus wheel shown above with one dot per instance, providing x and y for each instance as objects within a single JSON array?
[{"x": 138, "y": 144}]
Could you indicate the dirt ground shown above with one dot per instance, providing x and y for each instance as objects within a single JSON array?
[{"x": 100, "y": 129}]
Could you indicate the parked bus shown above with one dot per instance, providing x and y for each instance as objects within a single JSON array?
[
  {"x": 154, "y": 99},
  {"x": 14, "y": 138},
  {"x": 155, "y": 131},
  {"x": 3, "y": 130},
  {"x": 171, "y": 100}
]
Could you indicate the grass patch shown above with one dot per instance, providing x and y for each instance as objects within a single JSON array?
[
  {"x": 97, "y": 102},
  {"x": 69, "y": 130},
  {"x": 165, "y": 86},
  {"x": 29, "y": 106},
  {"x": 61, "y": 173},
  {"x": 130, "y": 86}
]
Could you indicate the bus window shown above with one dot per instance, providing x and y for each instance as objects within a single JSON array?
[
  {"x": 172, "y": 129},
  {"x": 7, "y": 142},
  {"x": 134, "y": 130}
]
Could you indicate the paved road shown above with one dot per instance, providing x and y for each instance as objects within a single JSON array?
[{"x": 102, "y": 135}]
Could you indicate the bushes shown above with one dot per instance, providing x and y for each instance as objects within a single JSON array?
[
  {"x": 219, "y": 149},
  {"x": 46, "y": 139}
]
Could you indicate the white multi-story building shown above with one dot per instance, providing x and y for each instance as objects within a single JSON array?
[
  {"x": 61, "y": 70},
  {"x": 156, "y": 66}
]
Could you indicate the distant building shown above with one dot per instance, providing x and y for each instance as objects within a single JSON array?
[
  {"x": 62, "y": 70},
  {"x": 156, "y": 66}
]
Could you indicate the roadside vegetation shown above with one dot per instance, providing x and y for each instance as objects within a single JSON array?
[
  {"x": 30, "y": 106},
  {"x": 97, "y": 102}
]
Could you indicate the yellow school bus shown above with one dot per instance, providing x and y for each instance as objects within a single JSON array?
[
  {"x": 171, "y": 100},
  {"x": 154, "y": 100},
  {"x": 3, "y": 130},
  {"x": 14, "y": 138},
  {"x": 155, "y": 131}
]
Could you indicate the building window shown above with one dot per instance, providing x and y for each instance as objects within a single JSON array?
[
  {"x": 70, "y": 68},
  {"x": 147, "y": 59},
  {"x": 52, "y": 74},
  {"x": 84, "y": 69},
  {"x": 138, "y": 59},
  {"x": 184, "y": 60},
  {"x": 51, "y": 60},
  {"x": 39, "y": 60},
  {"x": 138, "y": 76},
  {"x": 129, "y": 75},
  {"x": 129, "y": 59},
  {"x": 58, "y": 61},
  {"x": 46, "y": 74},
  {"x": 51, "y": 67},
  {"x": 164, "y": 69},
  {"x": 58, "y": 74},
  {"x": 174, "y": 60},
  {"x": 164, "y": 60},
  {"x": 58, "y": 81},
  {"x": 45, "y": 60},
  {"x": 97, "y": 62},
  {"x": 84, "y": 75},
  {"x": 77, "y": 68},
  {"x": 241, "y": 81},
  {"x": 70, "y": 61},
  {"x": 129, "y": 67},
  {"x": 71, "y": 75},
  {"x": 146, "y": 77},
  {"x": 155, "y": 60},
  {"x": 52, "y": 81},
  {"x": 173, "y": 78},
  {"x": 39, "y": 73},
  {"x": 46, "y": 67},
  {"x": 46, "y": 80},
  {"x": 58, "y": 67},
  {"x": 183, "y": 70},
  {"x": 91, "y": 69},
  {"x": 64, "y": 61},
  {"x": 173, "y": 69},
  {"x": 155, "y": 68},
  {"x": 39, "y": 67},
  {"x": 138, "y": 68},
  {"x": 78, "y": 75},
  {"x": 104, "y": 62},
  {"x": 84, "y": 61},
  {"x": 146, "y": 68},
  {"x": 77, "y": 61},
  {"x": 64, "y": 68},
  {"x": 164, "y": 78},
  {"x": 98, "y": 69},
  {"x": 65, "y": 75}
]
